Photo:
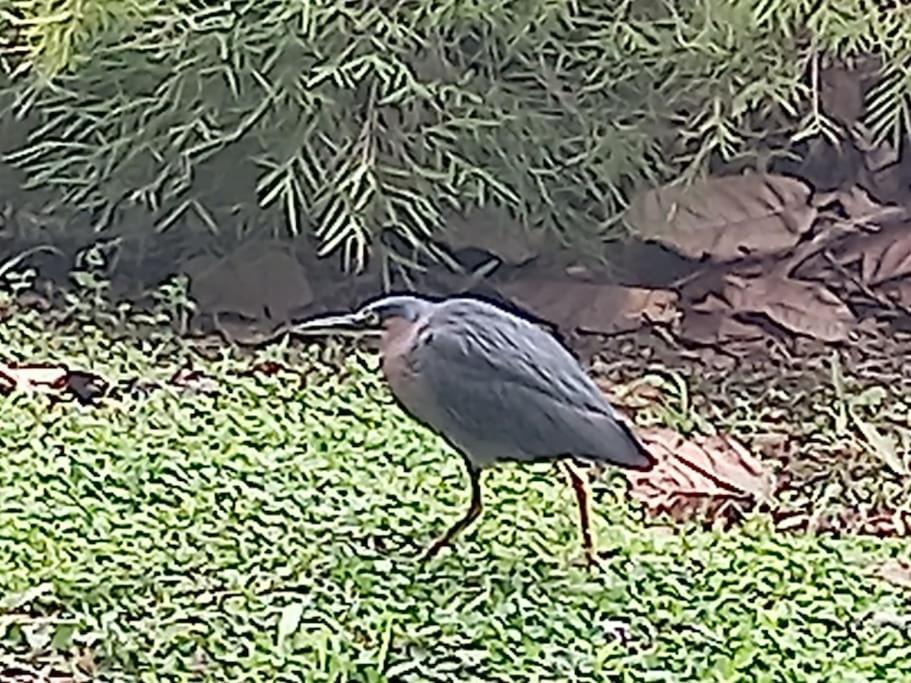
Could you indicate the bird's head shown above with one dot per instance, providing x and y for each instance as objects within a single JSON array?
[{"x": 373, "y": 318}]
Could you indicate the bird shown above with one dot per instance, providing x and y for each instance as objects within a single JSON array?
[{"x": 496, "y": 386}]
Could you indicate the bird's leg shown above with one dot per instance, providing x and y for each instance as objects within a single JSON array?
[
  {"x": 581, "y": 490},
  {"x": 474, "y": 510}
]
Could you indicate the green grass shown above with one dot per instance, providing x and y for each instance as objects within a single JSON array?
[{"x": 270, "y": 532}]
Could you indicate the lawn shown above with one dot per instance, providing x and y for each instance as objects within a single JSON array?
[{"x": 253, "y": 525}]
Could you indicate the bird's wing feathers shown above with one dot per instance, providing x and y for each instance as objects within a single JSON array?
[
  {"x": 508, "y": 349},
  {"x": 507, "y": 379}
]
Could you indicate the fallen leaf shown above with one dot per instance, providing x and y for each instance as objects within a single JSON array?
[
  {"x": 53, "y": 380},
  {"x": 38, "y": 635},
  {"x": 12, "y": 602},
  {"x": 880, "y": 618},
  {"x": 900, "y": 292},
  {"x": 726, "y": 218},
  {"x": 715, "y": 327},
  {"x": 33, "y": 299},
  {"x": 200, "y": 661},
  {"x": 705, "y": 475},
  {"x": 887, "y": 255},
  {"x": 194, "y": 381},
  {"x": 31, "y": 377},
  {"x": 803, "y": 307},
  {"x": 711, "y": 320},
  {"x": 85, "y": 661},
  {"x": 858, "y": 205},
  {"x": 494, "y": 231},
  {"x": 267, "y": 368},
  {"x": 591, "y": 307},
  {"x": 880, "y": 256}
]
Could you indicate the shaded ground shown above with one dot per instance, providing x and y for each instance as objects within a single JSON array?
[
  {"x": 241, "y": 523},
  {"x": 835, "y": 425}
]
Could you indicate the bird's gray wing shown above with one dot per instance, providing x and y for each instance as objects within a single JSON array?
[{"x": 502, "y": 380}]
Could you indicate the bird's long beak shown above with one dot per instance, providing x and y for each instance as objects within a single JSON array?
[{"x": 349, "y": 325}]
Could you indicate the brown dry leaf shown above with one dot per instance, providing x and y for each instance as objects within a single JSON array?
[
  {"x": 258, "y": 281},
  {"x": 703, "y": 475},
  {"x": 53, "y": 380},
  {"x": 887, "y": 255},
  {"x": 806, "y": 308},
  {"x": 711, "y": 321},
  {"x": 31, "y": 377},
  {"x": 715, "y": 327},
  {"x": 858, "y": 205},
  {"x": 900, "y": 293},
  {"x": 494, "y": 231},
  {"x": 194, "y": 381},
  {"x": 267, "y": 368},
  {"x": 34, "y": 299},
  {"x": 897, "y": 572},
  {"x": 589, "y": 306},
  {"x": 726, "y": 218},
  {"x": 883, "y": 255}
]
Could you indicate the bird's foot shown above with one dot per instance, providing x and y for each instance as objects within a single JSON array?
[
  {"x": 591, "y": 559},
  {"x": 592, "y": 562},
  {"x": 432, "y": 550}
]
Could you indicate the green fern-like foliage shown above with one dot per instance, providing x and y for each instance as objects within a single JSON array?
[{"x": 345, "y": 119}]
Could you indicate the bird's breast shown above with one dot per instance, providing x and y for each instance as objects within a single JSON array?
[
  {"x": 403, "y": 376},
  {"x": 397, "y": 348}
]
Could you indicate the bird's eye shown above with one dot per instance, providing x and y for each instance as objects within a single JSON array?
[{"x": 372, "y": 318}]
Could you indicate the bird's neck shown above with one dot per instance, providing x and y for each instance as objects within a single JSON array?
[
  {"x": 399, "y": 337},
  {"x": 396, "y": 347}
]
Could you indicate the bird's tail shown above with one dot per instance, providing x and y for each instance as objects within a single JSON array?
[
  {"x": 643, "y": 459},
  {"x": 624, "y": 449}
]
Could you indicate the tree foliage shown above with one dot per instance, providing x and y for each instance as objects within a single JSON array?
[{"x": 344, "y": 119}]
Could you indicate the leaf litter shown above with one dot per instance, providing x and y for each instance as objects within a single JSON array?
[
  {"x": 801, "y": 307},
  {"x": 768, "y": 255},
  {"x": 726, "y": 218},
  {"x": 592, "y": 307},
  {"x": 825, "y": 450},
  {"x": 55, "y": 381},
  {"x": 59, "y": 382},
  {"x": 706, "y": 476}
]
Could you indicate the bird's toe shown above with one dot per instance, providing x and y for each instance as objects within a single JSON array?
[{"x": 592, "y": 559}]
